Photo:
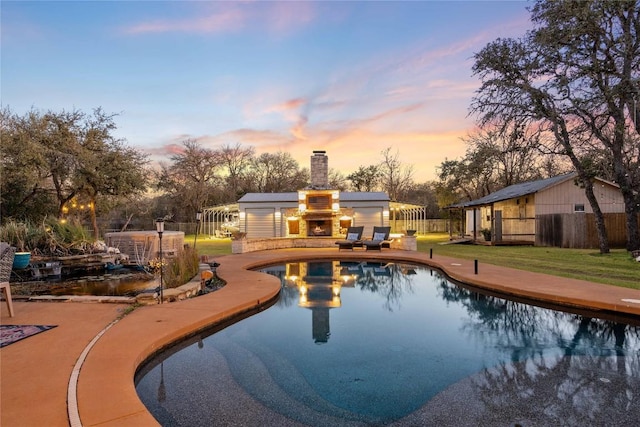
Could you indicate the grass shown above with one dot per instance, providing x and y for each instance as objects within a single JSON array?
[
  {"x": 616, "y": 268},
  {"x": 208, "y": 246}
]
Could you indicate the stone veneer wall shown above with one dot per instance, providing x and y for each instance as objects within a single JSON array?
[{"x": 407, "y": 243}]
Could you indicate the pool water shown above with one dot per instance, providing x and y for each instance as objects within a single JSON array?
[{"x": 361, "y": 343}]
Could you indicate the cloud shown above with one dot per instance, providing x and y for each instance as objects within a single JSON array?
[
  {"x": 219, "y": 22},
  {"x": 277, "y": 18},
  {"x": 165, "y": 150}
]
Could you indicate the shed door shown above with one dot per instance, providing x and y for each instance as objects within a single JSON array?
[
  {"x": 369, "y": 217},
  {"x": 260, "y": 223}
]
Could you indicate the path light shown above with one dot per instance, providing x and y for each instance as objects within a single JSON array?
[
  {"x": 198, "y": 218},
  {"x": 160, "y": 230}
]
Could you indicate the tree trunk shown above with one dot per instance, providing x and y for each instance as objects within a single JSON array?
[
  {"x": 603, "y": 240},
  {"x": 633, "y": 232}
]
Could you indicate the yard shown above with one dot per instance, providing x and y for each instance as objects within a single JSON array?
[{"x": 617, "y": 268}]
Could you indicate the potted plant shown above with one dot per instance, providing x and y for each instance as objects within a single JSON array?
[
  {"x": 486, "y": 233},
  {"x": 238, "y": 235},
  {"x": 17, "y": 234}
]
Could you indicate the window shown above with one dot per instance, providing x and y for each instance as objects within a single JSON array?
[{"x": 578, "y": 207}]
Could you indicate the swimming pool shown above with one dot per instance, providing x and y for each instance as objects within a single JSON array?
[{"x": 362, "y": 343}]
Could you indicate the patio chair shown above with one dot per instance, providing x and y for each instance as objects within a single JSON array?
[
  {"x": 7, "y": 253},
  {"x": 354, "y": 238},
  {"x": 379, "y": 240}
]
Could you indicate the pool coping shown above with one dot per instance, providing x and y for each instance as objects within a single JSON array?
[{"x": 105, "y": 389}]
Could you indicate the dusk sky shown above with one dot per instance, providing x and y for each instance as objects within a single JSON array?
[{"x": 351, "y": 78}]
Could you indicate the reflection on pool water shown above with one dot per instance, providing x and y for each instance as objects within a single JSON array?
[{"x": 374, "y": 343}]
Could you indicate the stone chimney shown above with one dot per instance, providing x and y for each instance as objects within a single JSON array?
[{"x": 319, "y": 170}]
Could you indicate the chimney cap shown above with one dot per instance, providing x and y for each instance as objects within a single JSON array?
[{"x": 319, "y": 152}]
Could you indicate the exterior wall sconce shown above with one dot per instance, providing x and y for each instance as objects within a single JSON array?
[
  {"x": 302, "y": 207},
  {"x": 335, "y": 207}
]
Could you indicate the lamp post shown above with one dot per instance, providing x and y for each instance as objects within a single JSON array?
[
  {"x": 160, "y": 230},
  {"x": 198, "y": 218}
]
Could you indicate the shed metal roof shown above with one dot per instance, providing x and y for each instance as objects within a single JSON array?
[
  {"x": 268, "y": 197},
  {"x": 516, "y": 190}
]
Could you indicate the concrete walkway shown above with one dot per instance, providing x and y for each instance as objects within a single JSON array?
[{"x": 38, "y": 373}]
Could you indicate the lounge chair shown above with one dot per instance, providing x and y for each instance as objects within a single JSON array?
[
  {"x": 353, "y": 239},
  {"x": 379, "y": 240},
  {"x": 6, "y": 263}
]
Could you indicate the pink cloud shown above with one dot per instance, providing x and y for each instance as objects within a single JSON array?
[
  {"x": 273, "y": 17},
  {"x": 165, "y": 150},
  {"x": 298, "y": 131},
  {"x": 224, "y": 21},
  {"x": 290, "y": 105}
]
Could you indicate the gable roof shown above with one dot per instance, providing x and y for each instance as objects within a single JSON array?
[
  {"x": 516, "y": 190},
  {"x": 269, "y": 197}
]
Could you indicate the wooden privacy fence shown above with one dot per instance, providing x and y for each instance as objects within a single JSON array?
[
  {"x": 578, "y": 230},
  {"x": 422, "y": 226}
]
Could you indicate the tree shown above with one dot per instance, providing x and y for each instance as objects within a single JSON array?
[
  {"x": 191, "y": 178},
  {"x": 236, "y": 160},
  {"x": 512, "y": 153},
  {"x": 62, "y": 157},
  {"x": 497, "y": 157},
  {"x": 470, "y": 177},
  {"x": 366, "y": 178},
  {"x": 107, "y": 167},
  {"x": 425, "y": 195},
  {"x": 396, "y": 177},
  {"x": 24, "y": 187},
  {"x": 277, "y": 172},
  {"x": 574, "y": 76},
  {"x": 337, "y": 180}
]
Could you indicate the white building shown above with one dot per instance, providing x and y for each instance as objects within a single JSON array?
[{"x": 315, "y": 212}]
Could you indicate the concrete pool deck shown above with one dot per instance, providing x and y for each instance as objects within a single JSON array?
[{"x": 38, "y": 374}]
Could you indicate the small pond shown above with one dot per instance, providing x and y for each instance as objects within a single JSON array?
[{"x": 123, "y": 282}]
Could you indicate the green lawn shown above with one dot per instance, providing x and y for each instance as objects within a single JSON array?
[
  {"x": 616, "y": 268},
  {"x": 207, "y": 246}
]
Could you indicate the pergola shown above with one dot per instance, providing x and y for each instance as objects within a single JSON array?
[
  {"x": 406, "y": 216},
  {"x": 220, "y": 221}
]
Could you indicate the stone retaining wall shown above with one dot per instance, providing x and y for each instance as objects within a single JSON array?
[{"x": 240, "y": 246}]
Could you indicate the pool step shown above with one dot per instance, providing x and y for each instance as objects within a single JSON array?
[{"x": 292, "y": 397}]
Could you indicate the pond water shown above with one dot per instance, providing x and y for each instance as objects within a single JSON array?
[
  {"x": 361, "y": 343},
  {"x": 124, "y": 282}
]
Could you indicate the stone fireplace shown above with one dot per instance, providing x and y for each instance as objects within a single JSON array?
[
  {"x": 318, "y": 213},
  {"x": 318, "y": 206}
]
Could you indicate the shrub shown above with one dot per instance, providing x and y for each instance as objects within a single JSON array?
[
  {"x": 181, "y": 269},
  {"x": 48, "y": 238}
]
